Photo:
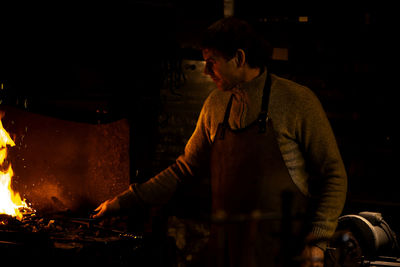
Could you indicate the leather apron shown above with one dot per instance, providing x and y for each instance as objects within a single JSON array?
[{"x": 254, "y": 200}]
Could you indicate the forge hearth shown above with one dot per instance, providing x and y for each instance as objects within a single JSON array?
[
  {"x": 66, "y": 241},
  {"x": 62, "y": 165},
  {"x": 64, "y": 169}
]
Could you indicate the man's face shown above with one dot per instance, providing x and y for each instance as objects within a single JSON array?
[{"x": 223, "y": 72}]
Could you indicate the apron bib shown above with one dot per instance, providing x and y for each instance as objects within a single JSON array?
[{"x": 253, "y": 196}]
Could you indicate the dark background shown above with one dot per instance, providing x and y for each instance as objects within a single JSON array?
[{"x": 100, "y": 63}]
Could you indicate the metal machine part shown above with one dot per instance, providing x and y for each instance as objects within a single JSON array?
[{"x": 363, "y": 240}]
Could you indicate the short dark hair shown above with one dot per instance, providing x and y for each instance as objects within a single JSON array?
[{"x": 227, "y": 35}]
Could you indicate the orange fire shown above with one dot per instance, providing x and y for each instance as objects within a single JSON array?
[{"x": 10, "y": 201}]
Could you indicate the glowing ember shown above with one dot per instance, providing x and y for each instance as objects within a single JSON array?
[{"x": 10, "y": 201}]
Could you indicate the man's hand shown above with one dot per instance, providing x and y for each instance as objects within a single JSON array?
[
  {"x": 312, "y": 257},
  {"x": 106, "y": 208}
]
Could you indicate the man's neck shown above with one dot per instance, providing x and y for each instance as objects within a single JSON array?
[{"x": 251, "y": 74}]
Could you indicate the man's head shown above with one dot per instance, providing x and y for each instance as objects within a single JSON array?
[{"x": 233, "y": 51}]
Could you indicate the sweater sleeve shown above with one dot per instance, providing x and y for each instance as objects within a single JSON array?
[
  {"x": 328, "y": 179},
  {"x": 159, "y": 189}
]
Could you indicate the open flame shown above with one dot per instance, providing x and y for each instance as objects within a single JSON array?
[{"x": 10, "y": 201}]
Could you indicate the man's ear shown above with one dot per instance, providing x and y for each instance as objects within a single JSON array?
[{"x": 240, "y": 58}]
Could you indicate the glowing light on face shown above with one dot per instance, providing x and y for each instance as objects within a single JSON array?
[{"x": 221, "y": 70}]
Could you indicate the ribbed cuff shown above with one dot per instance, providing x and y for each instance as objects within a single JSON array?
[
  {"x": 319, "y": 237},
  {"x": 322, "y": 245}
]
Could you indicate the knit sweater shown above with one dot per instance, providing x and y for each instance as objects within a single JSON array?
[{"x": 304, "y": 135}]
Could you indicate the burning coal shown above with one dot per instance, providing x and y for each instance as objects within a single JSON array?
[{"x": 10, "y": 201}]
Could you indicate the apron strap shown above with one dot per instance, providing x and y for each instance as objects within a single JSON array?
[
  {"x": 225, "y": 123},
  {"x": 266, "y": 93},
  {"x": 263, "y": 117},
  {"x": 227, "y": 112}
]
